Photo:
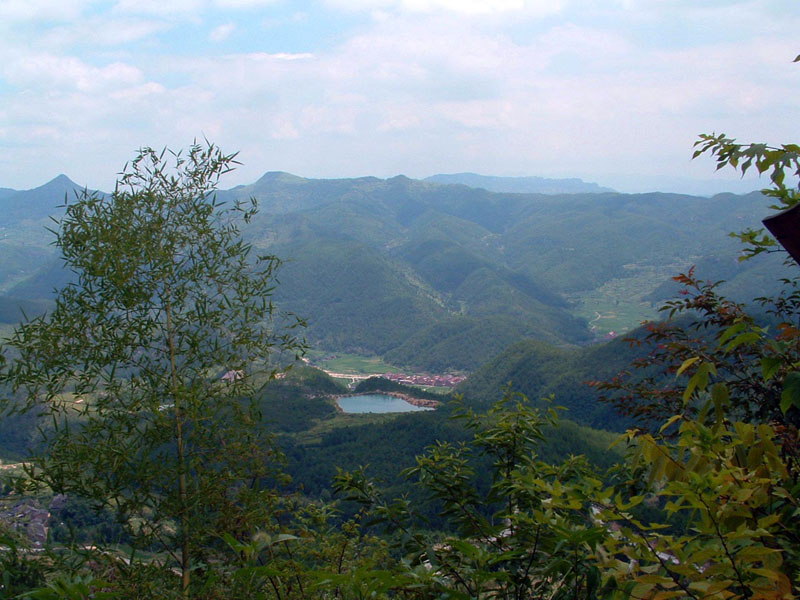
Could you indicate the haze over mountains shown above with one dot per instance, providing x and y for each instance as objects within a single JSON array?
[
  {"x": 521, "y": 185},
  {"x": 441, "y": 276}
]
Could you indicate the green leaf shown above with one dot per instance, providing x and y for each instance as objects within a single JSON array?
[
  {"x": 730, "y": 332},
  {"x": 719, "y": 396},
  {"x": 687, "y": 363},
  {"x": 791, "y": 392},
  {"x": 699, "y": 380},
  {"x": 769, "y": 366},
  {"x": 669, "y": 422}
]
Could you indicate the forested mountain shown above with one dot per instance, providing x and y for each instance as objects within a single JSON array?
[
  {"x": 25, "y": 250},
  {"x": 540, "y": 371},
  {"x": 472, "y": 271},
  {"x": 437, "y": 276},
  {"x": 521, "y": 185}
]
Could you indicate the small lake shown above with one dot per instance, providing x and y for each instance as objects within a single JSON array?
[{"x": 376, "y": 403}]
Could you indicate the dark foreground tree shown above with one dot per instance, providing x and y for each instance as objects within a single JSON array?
[{"x": 144, "y": 371}]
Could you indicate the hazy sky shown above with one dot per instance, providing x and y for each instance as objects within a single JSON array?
[{"x": 613, "y": 91}]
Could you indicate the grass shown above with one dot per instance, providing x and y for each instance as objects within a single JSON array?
[
  {"x": 349, "y": 363},
  {"x": 434, "y": 389},
  {"x": 314, "y": 435},
  {"x": 607, "y": 316},
  {"x": 10, "y": 467},
  {"x": 618, "y": 305}
]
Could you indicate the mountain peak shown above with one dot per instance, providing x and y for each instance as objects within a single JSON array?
[
  {"x": 61, "y": 179},
  {"x": 40, "y": 202},
  {"x": 279, "y": 177},
  {"x": 60, "y": 183},
  {"x": 399, "y": 179}
]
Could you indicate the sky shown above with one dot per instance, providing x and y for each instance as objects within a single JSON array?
[{"x": 611, "y": 91}]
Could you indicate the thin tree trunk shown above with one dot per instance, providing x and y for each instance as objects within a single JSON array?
[{"x": 182, "y": 493}]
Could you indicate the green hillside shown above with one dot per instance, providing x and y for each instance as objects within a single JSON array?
[
  {"x": 461, "y": 342},
  {"x": 354, "y": 297},
  {"x": 538, "y": 370},
  {"x": 441, "y": 277},
  {"x": 20, "y": 261},
  {"x": 759, "y": 276},
  {"x": 50, "y": 276},
  {"x": 13, "y": 310}
]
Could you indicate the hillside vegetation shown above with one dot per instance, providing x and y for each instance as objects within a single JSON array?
[{"x": 444, "y": 277}]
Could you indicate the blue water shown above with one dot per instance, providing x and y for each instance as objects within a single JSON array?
[{"x": 376, "y": 403}]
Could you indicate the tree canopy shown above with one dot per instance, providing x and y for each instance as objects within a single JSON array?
[{"x": 132, "y": 368}]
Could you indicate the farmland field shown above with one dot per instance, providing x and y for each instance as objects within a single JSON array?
[{"x": 618, "y": 306}]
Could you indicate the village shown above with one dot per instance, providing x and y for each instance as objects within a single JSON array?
[
  {"x": 428, "y": 380},
  {"x": 352, "y": 370}
]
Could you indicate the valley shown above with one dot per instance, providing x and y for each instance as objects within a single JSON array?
[
  {"x": 426, "y": 279},
  {"x": 622, "y": 303},
  {"x": 440, "y": 278},
  {"x": 430, "y": 280}
]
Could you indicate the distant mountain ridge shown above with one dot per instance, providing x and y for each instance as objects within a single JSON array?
[
  {"x": 435, "y": 276},
  {"x": 6, "y": 192},
  {"x": 520, "y": 185},
  {"x": 37, "y": 203}
]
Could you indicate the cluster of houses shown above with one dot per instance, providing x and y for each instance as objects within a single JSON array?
[
  {"x": 26, "y": 517},
  {"x": 432, "y": 380}
]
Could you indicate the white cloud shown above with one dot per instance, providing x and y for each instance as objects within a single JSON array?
[
  {"x": 243, "y": 4},
  {"x": 284, "y": 130},
  {"x": 161, "y": 8},
  {"x": 470, "y": 7},
  {"x": 399, "y": 117},
  {"x": 61, "y": 73},
  {"x": 421, "y": 91},
  {"x": 138, "y": 92},
  {"x": 466, "y": 7},
  {"x": 221, "y": 32},
  {"x": 591, "y": 44},
  {"x": 187, "y": 7},
  {"x": 287, "y": 56},
  {"x": 102, "y": 31},
  {"x": 41, "y": 10}
]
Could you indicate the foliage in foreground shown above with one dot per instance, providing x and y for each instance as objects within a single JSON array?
[
  {"x": 126, "y": 370},
  {"x": 705, "y": 507},
  {"x": 529, "y": 534},
  {"x": 725, "y": 491}
]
